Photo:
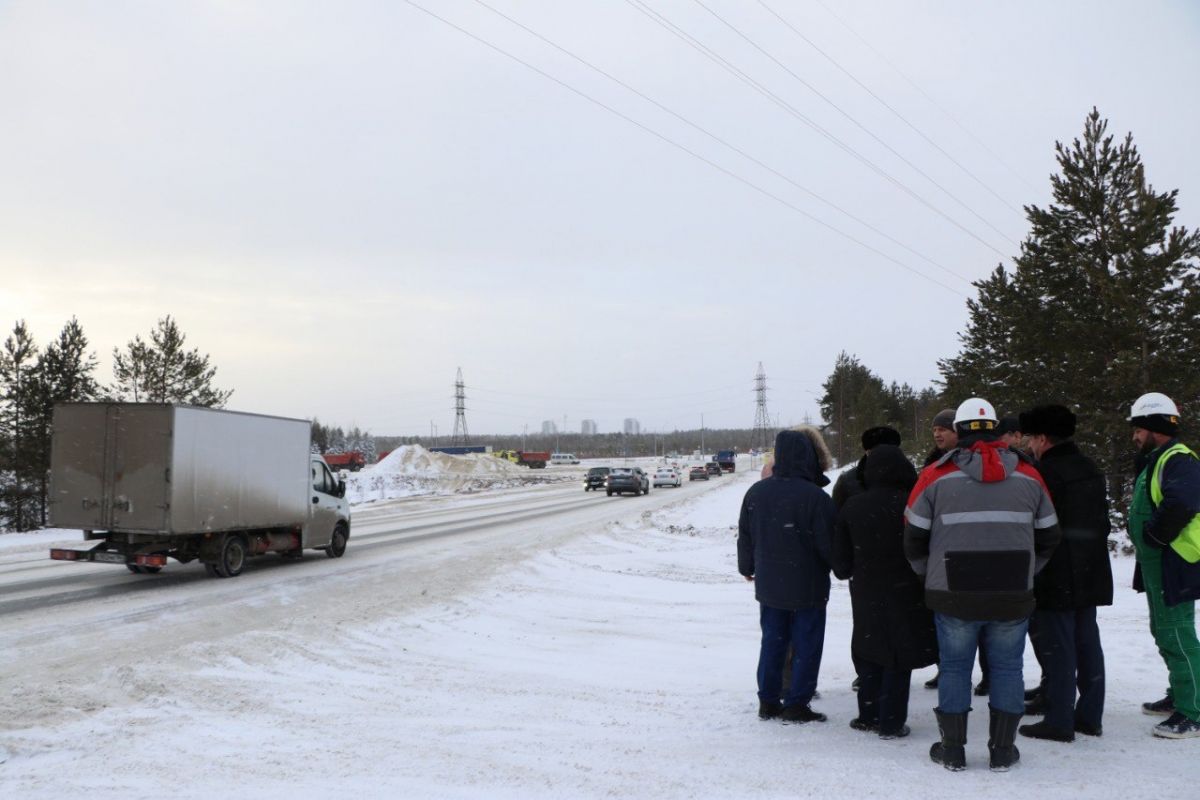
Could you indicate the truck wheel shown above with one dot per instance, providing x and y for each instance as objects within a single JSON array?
[
  {"x": 609, "y": 492},
  {"x": 232, "y": 558},
  {"x": 134, "y": 568},
  {"x": 337, "y": 545}
]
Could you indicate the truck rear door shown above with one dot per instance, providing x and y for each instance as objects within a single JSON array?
[{"x": 109, "y": 466}]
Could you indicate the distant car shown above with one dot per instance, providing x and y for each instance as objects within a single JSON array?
[
  {"x": 713, "y": 468},
  {"x": 596, "y": 477},
  {"x": 698, "y": 474},
  {"x": 627, "y": 479},
  {"x": 667, "y": 476},
  {"x": 563, "y": 458}
]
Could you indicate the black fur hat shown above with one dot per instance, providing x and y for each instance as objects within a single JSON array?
[
  {"x": 881, "y": 434},
  {"x": 1009, "y": 425},
  {"x": 1050, "y": 420}
]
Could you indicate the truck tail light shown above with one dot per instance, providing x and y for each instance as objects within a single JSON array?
[
  {"x": 151, "y": 560},
  {"x": 63, "y": 555}
]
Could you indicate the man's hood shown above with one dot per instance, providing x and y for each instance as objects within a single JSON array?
[
  {"x": 984, "y": 461},
  {"x": 795, "y": 457}
]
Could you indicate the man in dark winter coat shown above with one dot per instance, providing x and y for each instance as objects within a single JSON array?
[
  {"x": 784, "y": 537},
  {"x": 1076, "y": 580},
  {"x": 893, "y": 630},
  {"x": 980, "y": 525},
  {"x": 851, "y": 482}
]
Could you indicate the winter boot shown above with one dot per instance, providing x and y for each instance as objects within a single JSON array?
[
  {"x": 1177, "y": 726},
  {"x": 1002, "y": 730},
  {"x": 799, "y": 714},
  {"x": 1160, "y": 708},
  {"x": 769, "y": 710},
  {"x": 951, "y": 752},
  {"x": 1044, "y": 730}
]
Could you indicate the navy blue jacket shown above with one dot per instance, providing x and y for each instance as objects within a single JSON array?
[{"x": 785, "y": 529}]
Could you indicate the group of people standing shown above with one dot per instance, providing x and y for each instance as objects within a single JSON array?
[{"x": 1002, "y": 535}]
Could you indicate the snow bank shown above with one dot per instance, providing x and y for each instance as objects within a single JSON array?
[{"x": 412, "y": 470}]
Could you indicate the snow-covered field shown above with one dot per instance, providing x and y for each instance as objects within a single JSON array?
[{"x": 610, "y": 659}]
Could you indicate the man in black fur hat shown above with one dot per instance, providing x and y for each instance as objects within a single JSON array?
[{"x": 1077, "y": 579}]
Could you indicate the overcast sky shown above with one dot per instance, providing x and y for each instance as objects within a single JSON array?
[{"x": 342, "y": 203}]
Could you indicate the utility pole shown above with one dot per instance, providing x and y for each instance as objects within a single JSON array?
[{"x": 702, "y": 435}]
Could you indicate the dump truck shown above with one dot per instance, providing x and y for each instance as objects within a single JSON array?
[
  {"x": 351, "y": 461},
  {"x": 148, "y": 482},
  {"x": 727, "y": 459},
  {"x": 531, "y": 459}
]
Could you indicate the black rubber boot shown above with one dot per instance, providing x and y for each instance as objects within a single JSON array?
[
  {"x": 1002, "y": 730},
  {"x": 951, "y": 751}
]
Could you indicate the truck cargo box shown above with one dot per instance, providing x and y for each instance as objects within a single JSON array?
[{"x": 143, "y": 468}]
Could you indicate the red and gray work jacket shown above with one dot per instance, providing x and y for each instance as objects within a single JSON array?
[{"x": 980, "y": 524}]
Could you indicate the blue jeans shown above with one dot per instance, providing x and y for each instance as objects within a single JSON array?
[
  {"x": 804, "y": 630},
  {"x": 1005, "y": 646}
]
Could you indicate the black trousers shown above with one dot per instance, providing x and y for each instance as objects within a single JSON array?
[
  {"x": 883, "y": 695},
  {"x": 1067, "y": 644}
]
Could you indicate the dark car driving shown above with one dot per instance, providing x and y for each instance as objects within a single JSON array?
[
  {"x": 595, "y": 479},
  {"x": 713, "y": 468},
  {"x": 698, "y": 474},
  {"x": 627, "y": 479}
]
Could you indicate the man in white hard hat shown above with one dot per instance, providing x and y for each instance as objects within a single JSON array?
[
  {"x": 1164, "y": 523},
  {"x": 980, "y": 523}
]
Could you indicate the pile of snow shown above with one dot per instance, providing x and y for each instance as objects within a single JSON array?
[
  {"x": 412, "y": 470},
  {"x": 413, "y": 459}
]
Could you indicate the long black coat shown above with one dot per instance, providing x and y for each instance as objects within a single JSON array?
[
  {"x": 892, "y": 626},
  {"x": 786, "y": 528},
  {"x": 1079, "y": 574}
]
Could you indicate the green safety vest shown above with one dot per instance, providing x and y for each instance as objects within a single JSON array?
[{"x": 1187, "y": 544}]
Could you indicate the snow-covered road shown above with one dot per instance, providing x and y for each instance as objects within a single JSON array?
[{"x": 604, "y": 650}]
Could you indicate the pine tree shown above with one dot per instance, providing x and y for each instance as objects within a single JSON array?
[
  {"x": 161, "y": 371},
  {"x": 63, "y": 375},
  {"x": 18, "y": 382},
  {"x": 1102, "y": 304}
]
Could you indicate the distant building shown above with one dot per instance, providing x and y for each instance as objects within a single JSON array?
[
  {"x": 588, "y": 427},
  {"x": 632, "y": 427},
  {"x": 549, "y": 428}
]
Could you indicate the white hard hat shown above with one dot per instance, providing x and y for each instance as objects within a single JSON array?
[
  {"x": 1153, "y": 403},
  {"x": 976, "y": 414}
]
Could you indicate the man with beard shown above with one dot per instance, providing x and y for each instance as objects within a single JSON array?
[
  {"x": 1077, "y": 579},
  {"x": 1164, "y": 523}
]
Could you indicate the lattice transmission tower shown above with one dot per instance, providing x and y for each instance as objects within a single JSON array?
[
  {"x": 461, "y": 436},
  {"x": 761, "y": 438}
]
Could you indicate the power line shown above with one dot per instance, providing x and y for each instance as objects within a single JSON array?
[
  {"x": 725, "y": 143},
  {"x": 690, "y": 152},
  {"x": 696, "y": 44},
  {"x": 926, "y": 95},
  {"x": 852, "y": 119},
  {"x": 889, "y": 107}
]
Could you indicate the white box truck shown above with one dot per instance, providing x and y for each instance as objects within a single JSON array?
[{"x": 154, "y": 481}]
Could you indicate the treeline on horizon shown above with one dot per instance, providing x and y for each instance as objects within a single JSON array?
[{"x": 1099, "y": 306}]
